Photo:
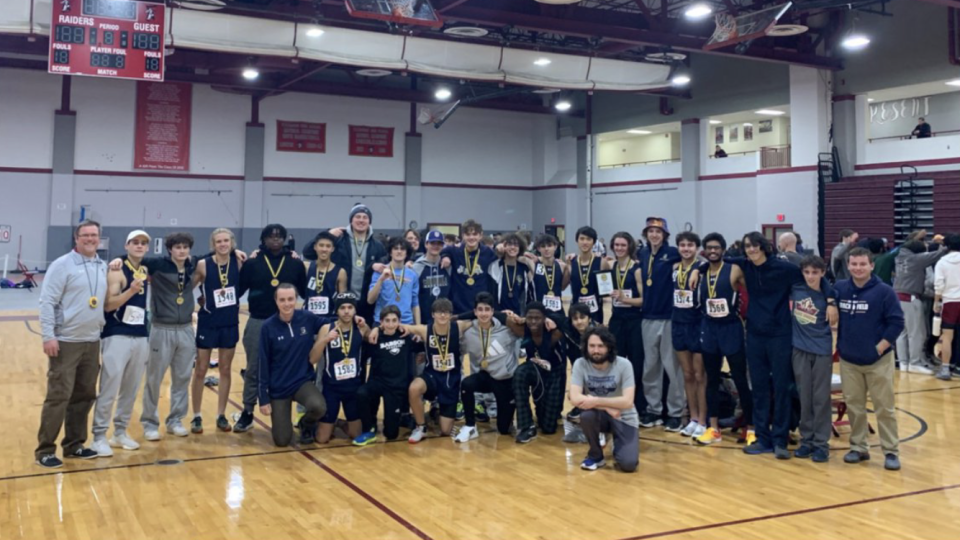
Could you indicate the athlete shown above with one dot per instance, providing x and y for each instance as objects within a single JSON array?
[
  {"x": 584, "y": 268},
  {"x": 627, "y": 299},
  {"x": 434, "y": 281},
  {"x": 510, "y": 275},
  {"x": 550, "y": 276},
  {"x": 541, "y": 376},
  {"x": 686, "y": 334},
  {"x": 325, "y": 279},
  {"x": 397, "y": 285},
  {"x": 468, "y": 265}
]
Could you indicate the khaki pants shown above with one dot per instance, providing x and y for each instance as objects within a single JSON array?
[
  {"x": 71, "y": 391},
  {"x": 877, "y": 379}
]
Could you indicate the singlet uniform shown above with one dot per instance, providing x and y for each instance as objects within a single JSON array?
[
  {"x": 685, "y": 329},
  {"x": 342, "y": 375},
  {"x": 130, "y": 318},
  {"x": 548, "y": 286},
  {"x": 434, "y": 283},
  {"x": 721, "y": 327},
  {"x": 587, "y": 293},
  {"x": 321, "y": 288},
  {"x": 627, "y": 284},
  {"x": 218, "y": 321},
  {"x": 442, "y": 374}
]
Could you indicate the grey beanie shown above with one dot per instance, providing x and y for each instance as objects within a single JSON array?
[{"x": 358, "y": 208}]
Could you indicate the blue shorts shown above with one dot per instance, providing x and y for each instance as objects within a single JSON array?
[
  {"x": 724, "y": 338},
  {"x": 445, "y": 388},
  {"x": 686, "y": 336},
  {"x": 225, "y": 337},
  {"x": 337, "y": 396}
]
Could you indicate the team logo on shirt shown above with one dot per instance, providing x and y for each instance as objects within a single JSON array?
[
  {"x": 602, "y": 386},
  {"x": 393, "y": 347},
  {"x": 303, "y": 330},
  {"x": 805, "y": 312},
  {"x": 854, "y": 306}
]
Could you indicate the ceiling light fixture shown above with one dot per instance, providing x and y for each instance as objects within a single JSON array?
[
  {"x": 698, "y": 11},
  {"x": 542, "y": 62},
  {"x": 715, "y": 122},
  {"x": 563, "y": 105},
  {"x": 315, "y": 32},
  {"x": 770, "y": 112},
  {"x": 250, "y": 73},
  {"x": 955, "y": 82},
  {"x": 680, "y": 80},
  {"x": 855, "y": 42},
  {"x": 638, "y": 131},
  {"x": 869, "y": 100},
  {"x": 442, "y": 94}
]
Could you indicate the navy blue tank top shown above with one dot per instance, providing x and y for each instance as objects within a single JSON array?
[
  {"x": 452, "y": 365},
  {"x": 219, "y": 284},
  {"x": 724, "y": 304},
  {"x": 114, "y": 325},
  {"x": 684, "y": 295},
  {"x": 343, "y": 370},
  {"x": 548, "y": 281},
  {"x": 626, "y": 282},
  {"x": 321, "y": 288},
  {"x": 577, "y": 286},
  {"x": 515, "y": 299}
]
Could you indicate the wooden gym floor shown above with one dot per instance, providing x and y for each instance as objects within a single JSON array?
[{"x": 227, "y": 485}]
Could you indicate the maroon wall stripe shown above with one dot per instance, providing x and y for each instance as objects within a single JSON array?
[
  {"x": 897, "y": 164},
  {"x": 638, "y": 183}
]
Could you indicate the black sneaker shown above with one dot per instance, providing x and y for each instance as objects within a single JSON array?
[
  {"x": 82, "y": 453},
  {"x": 196, "y": 425},
  {"x": 781, "y": 452},
  {"x": 50, "y": 461},
  {"x": 308, "y": 434},
  {"x": 574, "y": 414},
  {"x": 245, "y": 423},
  {"x": 821, "y": 455},
  {"x": 648, "y": 420},
  {"x": 955, "y": 369},
  {"x": 803, "y": 452},
  {"x": 673, "y": 424},
  {"x": 527, "y": 435}
]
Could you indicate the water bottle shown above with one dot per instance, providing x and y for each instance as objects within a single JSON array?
[{"x": 937, "y": 321}]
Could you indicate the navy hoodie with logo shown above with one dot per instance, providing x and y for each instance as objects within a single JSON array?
[
  {"x": 867, "y": 315},
  {"x": 285, "y": 354}
]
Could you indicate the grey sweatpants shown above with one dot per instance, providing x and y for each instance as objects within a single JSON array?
[
  {"x": 172, "y": 346},
  {"x": 914, "y": 335},
  {"x": 659, "y": 357},
  {"x": 813, "y": 374},
  {"x": 626, "y": 439},
  {"x": 251, "y": 377},
  {"x": 123, "y": 362}
]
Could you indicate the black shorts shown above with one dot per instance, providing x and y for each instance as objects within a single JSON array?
[
  {"x": 335, "y": 397},
  {"x": 445, "y": 388},
  {"x": 224, "y": 337},
  {"x": 686, "y": 336},
  {"x": 724, "y": 338}
]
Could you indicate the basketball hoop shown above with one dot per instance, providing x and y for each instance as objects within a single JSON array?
[
  {"x": 726, "y": 28},
  {"x": 403, "y": 8},
  {"x": 437, "y": 114}
]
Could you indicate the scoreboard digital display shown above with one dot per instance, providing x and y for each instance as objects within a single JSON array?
[{"x": 121, "y": 39}]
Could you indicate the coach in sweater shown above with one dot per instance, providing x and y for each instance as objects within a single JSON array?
[{"x": 870, "y": 321}]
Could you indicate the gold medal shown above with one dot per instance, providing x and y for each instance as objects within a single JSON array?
[
  {"x": 584, "y": 290},
  {"x": 359, "y": 263},
  {"x": 94, "y": 302},
  {"x": 649, "y": 282},
  {"x": 470, "y": 281},
  {"x": 179, "y": 300},
  {"x": 274, "y": 282},
  {"x": 484, "y": 364}
]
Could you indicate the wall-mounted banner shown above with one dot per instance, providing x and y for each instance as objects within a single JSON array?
[
  {"x": 162, "y": 139},
  {"x": 301, "y": 137},
  {"x": 371, "y": 141}
]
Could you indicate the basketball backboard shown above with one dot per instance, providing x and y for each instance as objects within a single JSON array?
[
  {"x": 415, "y": 12},
  {"x": 748, "y": 26}
]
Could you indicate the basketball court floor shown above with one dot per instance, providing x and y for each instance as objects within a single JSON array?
[{"x": 226, "y": 485}]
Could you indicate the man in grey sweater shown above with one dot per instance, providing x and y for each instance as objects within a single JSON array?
[
  {"x": 911, "y": 264},
  {"x": 838, "y": 257},
  {"x": 71, "y": 317}
]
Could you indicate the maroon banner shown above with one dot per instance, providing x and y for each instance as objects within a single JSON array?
[
  {"x": 301, "y": 137},
  {"x": 118, "y": 39},
  {"x": 371, "y": 141},
  {"x": 162, "y": 139}
]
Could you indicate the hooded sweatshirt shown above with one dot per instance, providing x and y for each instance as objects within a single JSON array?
[
  {"x": 946, "y": 277},
  {"x": 911, "y": 269},
  {"x": 867, "y": 315}
]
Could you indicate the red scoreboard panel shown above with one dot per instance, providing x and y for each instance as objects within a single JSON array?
[{"x": 120, "y": 39}]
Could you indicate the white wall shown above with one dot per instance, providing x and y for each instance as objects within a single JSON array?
[
  {"x": 27, "y": 102},
  {"x": 636, "y": 173},
  {"x": 731, "y": 165},
  {"x": 25, "y": 206},
  {"x": 729, "y": 207},
  {"x": 624, "y": 208},
  {"x": 654, "y": 147},
  {"x": 317, "y": 206},
  {"x": 887, "y": 151}
]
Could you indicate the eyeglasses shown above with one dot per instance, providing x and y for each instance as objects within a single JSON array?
[{"x": 712, "y": 248}]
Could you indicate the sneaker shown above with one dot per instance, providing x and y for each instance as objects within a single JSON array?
[
  {"x": 955, "y": 369},
  {"x": 574, "y": 415},
  {"x": 245, "y": 423},
  {"x": 944, "y": 373},
  {"x": 591, "y": 465},
  {"x": 50, "y": 461},
  {"x": 756, "y": 449},
  {"x": 803, "y": 452},
  {"x": 101, "y": 447},
  {"x": 196, "y": 425},
  {"x": 417, "y": 434},
  {"x": 891, "y": 462},
  {"x": 648, "y": 420},
  {"x": 820, "y": 455},
  {"x": 781, "y": 453},
  {"x": 690, "y": 429},
  {"x": 492, "y": 409},
  {"x": 211, "y": 381},
  {"x": 673, "y": 424},
  {"x": 122, "y": 440},
  {"x": 918, "y": 369},
  {"x": 480, "y": 412},
  {"x": 701, "y": 429},
  {"x": 603, "y": 440},
  {"x": 178, "y": 430},
  {"x": 710, "y": 436},
  {"x": 527, "y": 435},
  {"x": 214, "y": 364},
  {"x": 81, "y": 453},
  {"x": 460, "y": 412},
  {"x": 751, "y": 437},
  {"x": 854, "y": 456},
  {"x": 308, "y": 434},
  {"x": 366, "y": 438},
  {"x": 466, "y": 433},
  {"x": 223, "y": 424},
  {"x": 152, "y": 435}
]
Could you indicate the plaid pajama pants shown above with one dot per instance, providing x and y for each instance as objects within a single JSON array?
[{"x": 547, "y": 388}]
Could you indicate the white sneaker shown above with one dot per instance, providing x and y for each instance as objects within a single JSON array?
[
  {"x": 151, "y": 435},
  {"x": 701, "y": 429},
  {"x": 122, "y": 440},
  {"x": 101, "y": 447},
  {"x": 178, "y": 430},
  {"x": 466, "y": 433},
  {"x": 417, "y": 435},
  {"x": 603, "y": 439},
  {"x": 690, "y": 429},
  {"x": 919, "y": 369}
]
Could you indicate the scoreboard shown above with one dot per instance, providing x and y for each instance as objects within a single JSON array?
[{"x": 121, "y": 39}]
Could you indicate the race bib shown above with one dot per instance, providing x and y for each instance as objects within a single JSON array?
[
  {"x": 625, "y": 293},
  {"x": 682, "y": 299},
  {"x": 443, "y": 363},
  {"x": 318, "y": 305},
  {"x": 552, "y": 303},
  {"x": 717, "y": 307},
  {"x": 345, "y": 369},
  {"x": 225, "y": 297},
  {"x": 541, "y": 363},
  {"x": 591, "y": 302},
  {"x": 133, "y": 315}
]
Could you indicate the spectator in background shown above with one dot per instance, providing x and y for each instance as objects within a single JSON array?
[
  {"x": 883, "y": 264},
  {"x": 600, "y": 248},
  {"x": 291, "y": 242},
  {"x": 412, "y": 236},
  {"x": 801, "y": 249},
  {"x": 450, "y": 240},
  {"x": 911, "y": 264},
  {"x": 838, "y": 259},
  {"x": 787, "y": 247},
  {"x": 923, "y": 130},
  {"x": 719, "y": 153},
  {"x": 946, "y": 284}
]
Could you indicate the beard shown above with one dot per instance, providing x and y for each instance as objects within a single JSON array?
[{"x": 598, "y": 359}]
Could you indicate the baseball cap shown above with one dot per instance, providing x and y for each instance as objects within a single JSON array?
[
  {"x": 136, "y": 234},
  {"x": 434, "y": 236}
]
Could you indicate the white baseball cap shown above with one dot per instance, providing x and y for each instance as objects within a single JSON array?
[{"x": 136, "y": 234}]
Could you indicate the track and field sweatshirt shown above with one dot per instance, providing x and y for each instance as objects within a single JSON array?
[{"x": 867, "y": 315}]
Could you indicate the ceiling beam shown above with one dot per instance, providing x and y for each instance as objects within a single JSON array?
[
  {"x": 949, "y": 3},
  {"x": 450, "y": 5}
]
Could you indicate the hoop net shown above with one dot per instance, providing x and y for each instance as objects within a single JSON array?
[
  {"x": 403, "y": 8},
  {"x": 726, "y": 28},
  {"x": 435, "y": 114}
]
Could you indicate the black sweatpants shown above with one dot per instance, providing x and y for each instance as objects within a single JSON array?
[
  {"x": 310, "y": 397},
  {"x": 502, "y": 390},
  {"x": 713, "y": 365},
  {"x": 627, "y": 332},
  {"x": 368, "y": 401}
]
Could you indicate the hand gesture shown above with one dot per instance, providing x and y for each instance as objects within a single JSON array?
[
  {"x": 115, "y": 264},
  {"x": 254, "y": 253},
  {"x": 386, "y": 274},
  {"x": 360, "y": 321},
  {"x": 444, "y": 263},
  {"x": 51, "y": 348},
  {"x": 549, "y": 324},
  {"x": 378, "y": 267},
  {"x": 333, "y": 334},
  {"x": 337, "y": 232},
  {"x": 136, "y": 286},
  {"x": 372, "y": 336},
  {"x": 293, "y": 254}
]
